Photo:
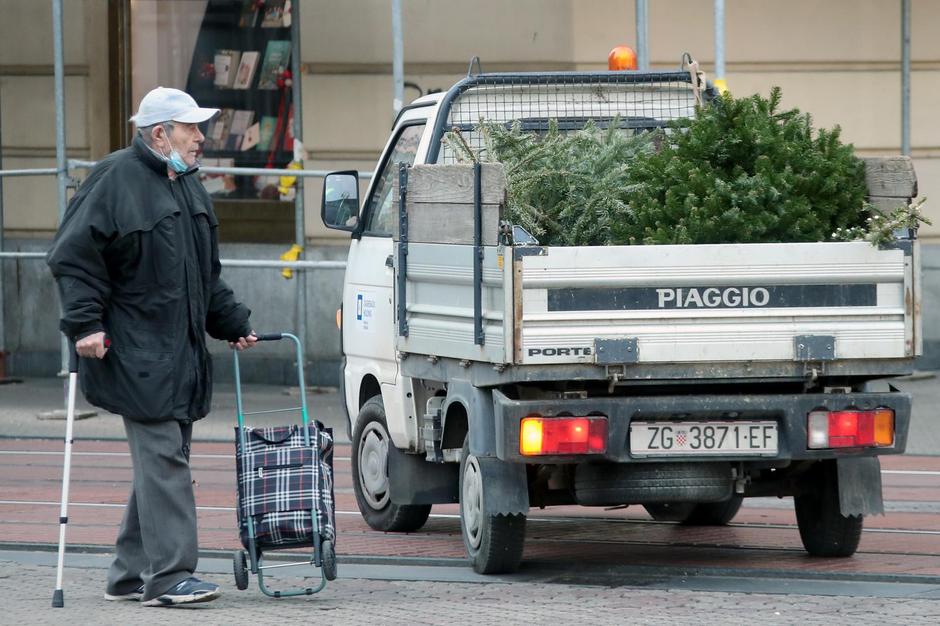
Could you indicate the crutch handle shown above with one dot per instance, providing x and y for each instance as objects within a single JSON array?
[
  {"x": 73, "y": 354},
  {"x": 270, "y": 337}
]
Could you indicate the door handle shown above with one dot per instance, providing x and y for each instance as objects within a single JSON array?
[{"x": 389, "y": 262}]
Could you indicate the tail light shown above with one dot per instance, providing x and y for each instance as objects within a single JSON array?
[
  {"x": 850, "y": 429},
  {"x": 563, "y": 435}
]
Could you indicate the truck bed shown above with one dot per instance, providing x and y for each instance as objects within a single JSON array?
[{"x": 657, "y": 304}]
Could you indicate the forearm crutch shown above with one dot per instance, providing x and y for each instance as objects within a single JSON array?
[{"x": 58, "y": 597}]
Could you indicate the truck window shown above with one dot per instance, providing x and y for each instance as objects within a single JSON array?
[{"x": 379, "y": 210}]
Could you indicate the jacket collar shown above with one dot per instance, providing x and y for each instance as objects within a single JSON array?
[{"x": 145, "y": 154}]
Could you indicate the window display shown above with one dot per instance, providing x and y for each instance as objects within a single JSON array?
[{"x": 234, "y": 55}]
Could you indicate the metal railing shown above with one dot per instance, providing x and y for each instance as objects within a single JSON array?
[{"x": 299, "y": 265}]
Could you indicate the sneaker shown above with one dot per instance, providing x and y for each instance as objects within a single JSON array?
[
  {"x": 187, "y": 592},
  {"x": 134, "y": 595}
]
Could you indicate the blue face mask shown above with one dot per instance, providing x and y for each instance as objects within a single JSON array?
[
  {"x": 176, "y": 163},
  {"x": 174, "y": 160}
]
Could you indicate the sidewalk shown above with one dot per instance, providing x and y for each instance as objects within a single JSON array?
[
  {"x": 392, "y": 588},
  {"x": 363, "y": 600},
  {"x": 20, "y": 404}
]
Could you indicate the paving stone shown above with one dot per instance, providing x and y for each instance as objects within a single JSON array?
[{"x": 26, "y": 593}]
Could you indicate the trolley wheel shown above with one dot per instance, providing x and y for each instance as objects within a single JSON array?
[
  {"x": 328, "y": 559},
  {"x": 240, "y": 567}
]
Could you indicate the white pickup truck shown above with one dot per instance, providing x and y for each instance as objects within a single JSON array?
[{"x": 482, "y": 368}]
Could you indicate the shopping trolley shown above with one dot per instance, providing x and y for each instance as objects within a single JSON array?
[{"x": 285, "y": 489}]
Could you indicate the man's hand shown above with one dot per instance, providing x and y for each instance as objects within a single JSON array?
[
  {"x": 244, "y": 343},
  {"x": 92, "y": 346}
]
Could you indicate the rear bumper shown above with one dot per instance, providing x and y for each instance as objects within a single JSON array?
[{"x": 788, "y": 411}]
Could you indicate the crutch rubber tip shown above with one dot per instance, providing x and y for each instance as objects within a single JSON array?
[{"x": 58, "y": 599}]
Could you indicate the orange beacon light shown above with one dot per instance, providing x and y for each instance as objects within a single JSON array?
[{"x": 621, "y": 58}]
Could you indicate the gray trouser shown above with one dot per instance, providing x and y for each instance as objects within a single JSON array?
[{"x": 157, "y": 544}]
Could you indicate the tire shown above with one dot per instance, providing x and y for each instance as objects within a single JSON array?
[
  {"x": 714, "y": 513},
  {"x": 612, "y": 484},
  {"x": 669, "y": 511},
  {"x": 696, "y": 514},
  {"x": 494, "y": 543},
  {"x": 240, "y": 567},
  {"x": 823, "y": 529},
  {"x": 370, "y": 475},
  {"x": 328, "y": 559}
]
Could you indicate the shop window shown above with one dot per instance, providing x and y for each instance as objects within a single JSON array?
[{"x": 233, "y": 55}]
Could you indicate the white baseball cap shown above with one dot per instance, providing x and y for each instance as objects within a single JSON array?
[{"x": 165, "y": 104}]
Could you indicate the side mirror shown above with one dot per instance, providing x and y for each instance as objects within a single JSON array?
[{"x": 340, "y": 206}]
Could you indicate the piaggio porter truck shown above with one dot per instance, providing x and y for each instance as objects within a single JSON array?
[{"x": 483, "y": 368}]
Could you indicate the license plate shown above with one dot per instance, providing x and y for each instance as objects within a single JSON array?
[{"x": 695, "y": 438}]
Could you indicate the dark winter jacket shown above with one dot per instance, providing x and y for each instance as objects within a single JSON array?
[{"x": 137, "y": 257}]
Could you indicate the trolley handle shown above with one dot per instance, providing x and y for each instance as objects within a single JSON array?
[{"x": 270, "y": 336}]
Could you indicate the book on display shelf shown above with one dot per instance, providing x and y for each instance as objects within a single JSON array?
[
  {"x": 217, "y": 184},
  {"x": 212, "y": 182},
  {"x": 268, "y": 128},
  {"x": 241, "y": 120},
  {"x": 213, "y": 133},
  {"x": 276, "y": 61},
  {"x": 252, "y": 136},
  {"x": 222, "y": 128},
  {"x": 249, "y": 14},
  {"x": 245, "y": 73},
  {"x": 276, "y": 14},
  {"x": 226, "y": 62}
]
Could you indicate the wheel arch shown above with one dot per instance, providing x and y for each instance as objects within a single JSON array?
[
  {"x": 455, "y": 425},
  {"x": 475, "y": 414},
  {"x": 368, "y": 387}
]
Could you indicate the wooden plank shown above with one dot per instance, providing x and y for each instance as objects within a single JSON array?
[
  {"x": 454, "y": 183},
  {"x": 891, "y": 177},
  {"x": 448, "y": 222}
]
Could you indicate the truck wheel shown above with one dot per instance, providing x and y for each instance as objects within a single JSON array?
[
  {"x": 692, "y": 514},
  {"x": 823, "y": 528},
  {"x": 714, "y": 513},
  {"x": 669, "y": 511},
  {"x": 494, "y": 543},
  {"x": 370, "y": 474},
  {"x": 611, "y": 484}
]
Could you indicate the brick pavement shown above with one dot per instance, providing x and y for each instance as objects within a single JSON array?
[
  {"x": 26, "y": 592},
  {"x": 553, "y": 544},
  {"x": 765, "y": 534}
]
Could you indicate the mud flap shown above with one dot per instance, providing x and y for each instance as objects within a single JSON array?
[
  {"x": 860, "y": 486},
  {"x": 506, "y": 490},
  {"x": 412, "y": 480}
]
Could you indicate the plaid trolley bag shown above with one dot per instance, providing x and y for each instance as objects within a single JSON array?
[
  {"x": 285, "y": 490},
  {"x": 280, "y": 481}
]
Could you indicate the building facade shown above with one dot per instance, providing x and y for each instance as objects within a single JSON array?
[{"x": 837, "y": 60}]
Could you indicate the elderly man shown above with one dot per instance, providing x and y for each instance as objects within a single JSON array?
[{"x": 137, "y": 264}]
